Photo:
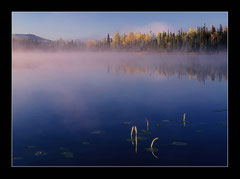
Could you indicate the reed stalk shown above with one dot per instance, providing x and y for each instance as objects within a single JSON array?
[
  {"x": 153, "y": 141},
  {"x": 184, "y": 122},
  {"x": 147, "y": 123}
]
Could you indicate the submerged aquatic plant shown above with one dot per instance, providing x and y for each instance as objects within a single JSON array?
[
  {"x": 145, "y": 132},
  {"x": 30, "y": 147},
  {"x": 179, "y": 143},
  {"x": 85, "y": 143},
  {"x": 220, "y": 123},
  {"x": 198, "y": 131},
  {"x": 97, "y": 132},
  {"x": 221, "y": 110},
  {"x": 63, "y": 148},
  {"x": 67, "y": 154},
  {"x": 166, "y": 120},
  {"x": 159, "y": 125},
  {"x": 141, "y": 138},
  {"x": 127, "y": 123},
  {"x": 17, "y": 158},
  {"x": 40, "y": 153}
]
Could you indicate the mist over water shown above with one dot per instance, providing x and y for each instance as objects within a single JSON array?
[
  {"x": 196, "y": 64},
  {"x": 61, "y": 98}
]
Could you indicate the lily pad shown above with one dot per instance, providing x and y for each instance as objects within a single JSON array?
[
  {"x": 159, "y": 125},
  {"x": 17, "y": 158},
  {"x": 166, "y": 120},
  {"x": 85, "y": 143},
  {"x": 151, "y": 149},
  {"x": 97, "y": 132},
  {"x": 63, "y": 148},
  {"x": 127, "y": 123},
  {"x": 67, "y": 154},
  {"x": 220, "y": 123},
  {"x": 179, "y": 143},
  {"x": 40, "y": 153},
  {"x": 30, "y": 147},
  {"x": 199, "y": 131},
  {"x": 129, "y": 140},
  {"x": 220, "y": 110},
  {"x": 141, "y": 138},
  {"x": 144, "y": 132}
]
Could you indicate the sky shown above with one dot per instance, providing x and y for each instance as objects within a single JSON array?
[{"x": 96, "y": 25}]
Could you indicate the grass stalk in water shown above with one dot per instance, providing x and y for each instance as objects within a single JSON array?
[
  {"x": 153, "y": 142},
  {"x": 135, "y": 139},
  {"x": 147, "y": 123},
  {"x": 184, "y": 122},
  {"x": 133, "y": 127},
  {"x": 151, "y": 149}
]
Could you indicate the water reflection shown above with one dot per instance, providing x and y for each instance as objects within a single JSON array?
[
  {"x": 65, "y": 100},
  {"x": 201, "y": 69}
]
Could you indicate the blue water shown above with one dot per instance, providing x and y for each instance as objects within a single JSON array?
[{"x": 83, "y": 102}]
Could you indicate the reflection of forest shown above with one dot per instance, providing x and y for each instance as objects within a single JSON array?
[{"x": 200, "y": 71}]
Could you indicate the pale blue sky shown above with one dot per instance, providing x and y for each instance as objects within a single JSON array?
[{"x": 96, "y": 25}]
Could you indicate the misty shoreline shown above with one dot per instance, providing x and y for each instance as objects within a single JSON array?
[{"x": 154, "y": 53}]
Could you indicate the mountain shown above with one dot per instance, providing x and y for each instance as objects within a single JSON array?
[{"x": 29, "y": 36}]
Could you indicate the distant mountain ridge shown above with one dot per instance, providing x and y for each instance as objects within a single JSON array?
[{"x": 29, "y": 36}]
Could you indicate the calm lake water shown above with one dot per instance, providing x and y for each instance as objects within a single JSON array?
[{"x": 79, "y": 109}]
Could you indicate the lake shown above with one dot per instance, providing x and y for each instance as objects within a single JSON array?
[{"x": 106, "y": 109}]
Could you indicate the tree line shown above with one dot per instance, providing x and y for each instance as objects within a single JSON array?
[{"x": 193, "y": 40}]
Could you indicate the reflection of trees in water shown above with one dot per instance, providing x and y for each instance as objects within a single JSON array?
[{"x": 199, "y": 71}]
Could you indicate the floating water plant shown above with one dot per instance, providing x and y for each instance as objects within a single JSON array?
[
  {"x": 63, "y": 148},
  {"x": 159, "y": 125},
  {"x": 17, "y": 158},
  {"x": 127, "y": 123},
  {"x": 130, "y": 140},
  {"x": 141, "y": 138},
  {"x": 151, "y": 149},
  {"x": 166, "y": 120},
  {"x": 85, "y": 143},
  {"x": 30, "y": 147},
  {"x": 220, "y": 110},
  {"x": 67, "y": 154},
  {"x": 199, "y": 131},
  {"x": 145, "y": 132},
  {"x": 220, "y": 123},
  {"x": 40, "y": 153},
  {"x": 97, "y": 132},
  {"x": 179, "y": 143}
]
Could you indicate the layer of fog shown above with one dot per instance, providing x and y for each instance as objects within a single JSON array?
[
  {"x": 169, "y": 63},
  {"x": 67, "y": 78}
]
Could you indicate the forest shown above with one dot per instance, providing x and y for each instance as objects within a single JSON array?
[{"x": 193, "y": 40}]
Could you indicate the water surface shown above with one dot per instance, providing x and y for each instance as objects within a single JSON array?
[{"x": 78, "y": 109}]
